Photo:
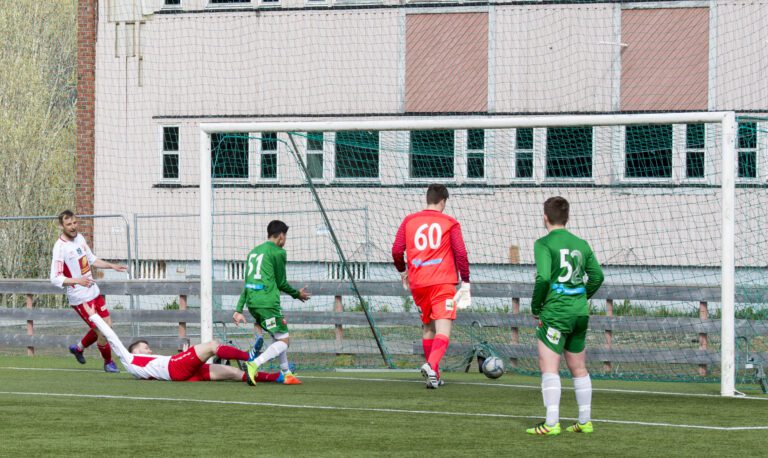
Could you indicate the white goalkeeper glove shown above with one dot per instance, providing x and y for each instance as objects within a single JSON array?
[
  {"x": 463, "y": 298},
  {"x": 404, "y": 279}
]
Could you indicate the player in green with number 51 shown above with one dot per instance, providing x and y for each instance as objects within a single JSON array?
[
  {"x": 560, "y": 302},
  {"x": 264, "y": 280}
]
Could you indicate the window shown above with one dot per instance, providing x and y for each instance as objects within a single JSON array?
[
  {"x": 524, "y": 153},
  {"x": 747, "y": 150},
  {"x": 569, "y": 152},
  {"x": 219, "y": 2},
  {"x": 475, "y": 153},
  {"x": 694, "y": 150},
  {"x": 648, "y": 151},
  {"x": 170, "y": 153},
  {"x": 269, "y": 155},
  {"x": 315, "y": 154},
  {"x": 357, "y": 154},
  {"x": 432, "y": 154},
  {"x": 172, "y": 2},
  {"x": 229, "y": 155}
]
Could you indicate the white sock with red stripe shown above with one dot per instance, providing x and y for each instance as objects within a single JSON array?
[
  {"x": 271, "y": 352},
  {"x": 583, "y": 388},
  {"x": 550, "y": 391}
]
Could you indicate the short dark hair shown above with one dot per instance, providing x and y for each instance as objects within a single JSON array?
[
  {"x": 436, "y": 193},
  {"x": 136, "y": 344},
  {"x": 66, "y": 214},
  {"x": 276, "y": 227},
  {"x": 556, "y": 209}
]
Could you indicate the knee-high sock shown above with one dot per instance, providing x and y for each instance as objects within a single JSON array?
[
  {"x": 271, "y": 352},
  {"x": 88, "y": 339},
  {"x": 263, "y": 376},
  {"x": 227, "y": 352},
  {"x": 583, "y": 388},
  {"x": 284, "y": 361},
  {"x": 439, "y": 347},
  {"x": 427, "y": 344},
  {"x": 550, "y": 390},
  {"x": 106, "y": 352}
]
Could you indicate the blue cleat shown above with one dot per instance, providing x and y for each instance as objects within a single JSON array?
[
  {"x": 79, "y": 356},
  {"x": 281, "y": 378},
  {"x": 111, "y": 367},
  {"x": 254, "y": 352}
]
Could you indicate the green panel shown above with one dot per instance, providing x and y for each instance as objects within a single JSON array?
[
  {"x": 170, "y": 138},
  {"x": 357, "y": 154},
  {"x": 694, "y": 165},
  {"x": 694, "y": 136},
  {"x": 524, "y": 139},
  {"x": 569, "y": 152},
  {"x": 229, "y": 155},
  {"x": 432, "y": 153},
  {"x": 648, "y": 150}
]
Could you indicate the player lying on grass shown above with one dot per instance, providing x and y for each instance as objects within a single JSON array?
[
  {"x": 560, "y": 303},
  {"x": 187, "y": 366}
]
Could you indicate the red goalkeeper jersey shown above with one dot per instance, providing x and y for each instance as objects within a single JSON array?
[{"x": 434, "y": 247}]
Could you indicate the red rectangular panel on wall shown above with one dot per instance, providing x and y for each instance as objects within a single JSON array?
[
  {"x": 665, "y": 63},
  {"x": 446, "y": 62}
]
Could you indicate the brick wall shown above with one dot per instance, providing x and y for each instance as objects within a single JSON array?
[{"x": 87, "y": 20}]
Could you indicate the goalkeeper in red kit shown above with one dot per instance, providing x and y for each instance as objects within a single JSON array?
[{"x": 434, "y": 247}]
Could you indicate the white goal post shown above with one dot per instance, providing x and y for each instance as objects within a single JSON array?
[{"x": 727, "y": 120}]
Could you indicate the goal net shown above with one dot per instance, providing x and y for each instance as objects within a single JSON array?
[{"x": 653, "y": 194}]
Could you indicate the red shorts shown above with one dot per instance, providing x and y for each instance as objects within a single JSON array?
[
  {"x": 186, "y": 366},
  {"x": 99, "y": 304},
  {"x": 435, "y": 302}
]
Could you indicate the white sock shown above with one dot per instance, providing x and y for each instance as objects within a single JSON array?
[
  {"x": 583, "y": 387},
  {"x": 271, "y": 352},
  {"x": 550, "y": 390},
  {"x": 284, "y": 361}
]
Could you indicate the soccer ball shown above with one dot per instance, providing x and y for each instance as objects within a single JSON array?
[{"x": 493, "y": 367}]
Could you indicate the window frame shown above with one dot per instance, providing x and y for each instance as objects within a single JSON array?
[
  {"x": 589, "y": 179},
  {"x": 755, "y": 150},
  {"x": 454, "y": 178},
  {"x": 316, "y": 152},
  {"x": 334, "y": 158},
  {"x": 480, "y": 152},
  {"x": 628, "y": 179},
  {"x": 694, "y": 150},
  {"x": 164, "y": 152},
  {"x": 237, "y": 180},
  {"x": 260, "y": 139},
  {"x": 516, "y": 151}
]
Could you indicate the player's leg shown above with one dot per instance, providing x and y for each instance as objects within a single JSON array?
[
  {"x": 272, "y": 321},
  {"x": 576, "y": 359},
  {"x": 101, "y": 342},
  {"x": 88, "y": 339},
  {"x": 423, "y": 299},
  {"x": 442, "y": 315},
  {"x": 550, "y": 346},
  {"x": 427, "y": 338}
]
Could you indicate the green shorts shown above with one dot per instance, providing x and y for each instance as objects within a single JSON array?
[
  {"x": 566, "y": 333},
  {"x": 270, "y": 319}
]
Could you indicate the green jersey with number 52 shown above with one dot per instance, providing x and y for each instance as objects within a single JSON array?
[
  {"x": 562, "y": 259},
  {"x": 265, "y": 277}
]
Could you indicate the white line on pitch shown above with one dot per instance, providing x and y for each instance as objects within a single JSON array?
[
  {"x": 533, "y": 387},
  {"x": 500, "y": 385},
  {"x": 370, "y": 409}
]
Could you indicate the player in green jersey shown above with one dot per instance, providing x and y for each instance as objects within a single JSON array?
[
  {"x": 264, "y": 280},
  {"x": 560, "y": 303}
]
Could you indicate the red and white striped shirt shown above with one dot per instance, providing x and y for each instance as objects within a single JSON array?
[
  {"x": 73, "y": 259},
  {"x": 145, "y": 367}
]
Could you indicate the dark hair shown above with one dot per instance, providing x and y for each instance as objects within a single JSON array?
[
  {"x": 436, "y": 193},
  {"x": 136, "y": 344},
  {"x": 276, "y": 227},
  {"x": 556, "y": 209},
  {"x": 66, "y": 214}
]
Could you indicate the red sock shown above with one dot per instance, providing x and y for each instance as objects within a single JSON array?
[
  {"x": 106, "y": 352},
  {"x": 88, "y": 339},
  {"x": 227, "y": 352},
  {"x": 439, "y": 348},
  {"x": 263, "y": 376},
  {"x": 427, "y": 344}
]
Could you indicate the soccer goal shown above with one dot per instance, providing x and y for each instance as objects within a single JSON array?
[{"x": 655, "y": 195}]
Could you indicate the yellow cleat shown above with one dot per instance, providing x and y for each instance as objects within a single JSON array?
[
  {"x": 543, "y": 430},
  {"x": 585, "y": 428}
]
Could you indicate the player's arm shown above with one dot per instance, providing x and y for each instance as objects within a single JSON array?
[
  {"x": 594, "y": 272},
  {"x": 238, "y": 316},
  {"x": 114, "y": 341},
  {"x": 460, "y": 252},
  {"x": 398, "y": 255},
  {"x": 543, "y": 277},
  {"x": 282, "y": 282}
]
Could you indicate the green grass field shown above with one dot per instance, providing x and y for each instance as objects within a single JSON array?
[{"x": 52, "y": 406}]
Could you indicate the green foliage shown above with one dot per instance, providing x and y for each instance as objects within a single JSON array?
[
  {"x": 171, "y": 305},
  {"x": 408, "y": 304},
  {"x": 37, "y": 128}
]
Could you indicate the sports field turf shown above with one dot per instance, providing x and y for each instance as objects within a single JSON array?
[{"x": 52, "y": 406}]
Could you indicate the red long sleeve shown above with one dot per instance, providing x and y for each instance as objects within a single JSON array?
[
  {"x": 398, "y": 249},
  {"x": 459, "y": 252}
]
